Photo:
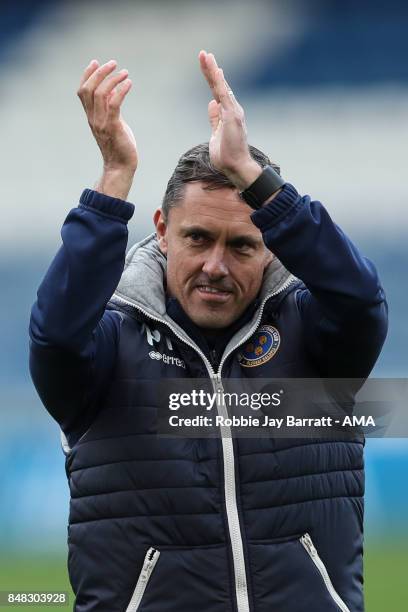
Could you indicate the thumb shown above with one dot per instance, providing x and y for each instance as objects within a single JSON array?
[{"x": 214, "y": 114}]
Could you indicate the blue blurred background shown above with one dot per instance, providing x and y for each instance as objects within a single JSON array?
[{"x": 325, "y": 89}]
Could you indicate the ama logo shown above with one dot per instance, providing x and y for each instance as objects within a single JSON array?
[{"x": 261, "y": 347}]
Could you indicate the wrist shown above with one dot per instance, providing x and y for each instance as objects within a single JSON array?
[
  {"x": 244, "y": 174},
  {"x": 115, "y": 182},
  {"x": 264, "y": 189}
]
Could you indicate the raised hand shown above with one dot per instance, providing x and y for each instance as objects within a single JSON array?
[
  {"x": 229, "y": 150},
  {"x": 102, "y": 93}
]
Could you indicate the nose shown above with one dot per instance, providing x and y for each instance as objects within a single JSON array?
[{"x": 215, "y": 266}]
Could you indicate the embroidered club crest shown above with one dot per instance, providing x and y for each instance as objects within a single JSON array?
[{"x": 260, "y": 348}]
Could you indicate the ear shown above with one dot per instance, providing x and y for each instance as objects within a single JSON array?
[{"x": 161, "y": 230}]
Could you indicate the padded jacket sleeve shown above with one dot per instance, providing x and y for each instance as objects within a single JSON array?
[
  {"x": 343, "y": 307},
  {"x": 73, "y": 340}
]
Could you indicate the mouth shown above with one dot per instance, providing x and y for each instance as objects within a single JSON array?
[{"x": 209, "y": 293}]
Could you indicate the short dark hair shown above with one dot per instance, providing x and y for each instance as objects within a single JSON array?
[{"x": 195, "y": 165}]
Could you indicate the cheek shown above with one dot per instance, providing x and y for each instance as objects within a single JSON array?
[
  {"x": 181, "y": 266},
  {"x": 249, "y": 278}
]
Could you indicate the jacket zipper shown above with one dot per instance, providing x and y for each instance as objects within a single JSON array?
[
  {"x": 308, "y": 545},
  {"x": 241, "y": 588},
  {"x": 149, "y": 562}
]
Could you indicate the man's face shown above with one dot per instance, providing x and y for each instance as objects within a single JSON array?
[{"x": 216, "y": 257}]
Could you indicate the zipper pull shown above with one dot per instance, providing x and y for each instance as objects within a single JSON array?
[
  {"x": 148, "y": 563},
  {"x": 307, "y": 542},
  {"x": 218, "y": 383}
]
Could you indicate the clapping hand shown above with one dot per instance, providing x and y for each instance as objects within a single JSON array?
[
  {"x": 229, "y": 150},
  {"x": 102, "y": 94}
]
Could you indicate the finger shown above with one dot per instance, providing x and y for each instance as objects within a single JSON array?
[
  {"x": 231, "y": 94},
  {"x": 214, "y": 76},
  {"x": 209, "y": 67},
  {"x": 203, "y": 55},
  {"x": 117, "y": 97},
  {"x": 103, "y": 92},
  {"x": 220, "y": 86},
  {"x": 228, "y": 89},
  {"x": 222, "y": 91},
  {"x": 217, "y": 82},
  {"x": 90, "y": 69},
  {"x": 87, "y": 89},
  {"x": 214, "y": 115}
]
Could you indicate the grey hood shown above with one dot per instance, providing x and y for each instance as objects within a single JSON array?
[{"x": 142, "y": 286}]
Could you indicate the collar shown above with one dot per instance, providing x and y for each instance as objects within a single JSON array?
[{"x": 211, "y": 343}]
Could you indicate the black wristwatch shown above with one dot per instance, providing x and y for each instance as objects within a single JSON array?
[{"x": 261, "y": 190}]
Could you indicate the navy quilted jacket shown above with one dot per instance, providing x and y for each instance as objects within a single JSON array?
[{"x": 204, "y": 524}]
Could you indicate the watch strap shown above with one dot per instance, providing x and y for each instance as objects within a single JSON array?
[{"x": 262, "y": 188}]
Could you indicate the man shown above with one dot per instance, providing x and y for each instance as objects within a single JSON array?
[{"x": 202, "y": 524}]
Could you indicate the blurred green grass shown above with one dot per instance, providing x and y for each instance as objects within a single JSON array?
[
  {"x": 386, "y": 577},
  {"x": 36, "y": 573}
]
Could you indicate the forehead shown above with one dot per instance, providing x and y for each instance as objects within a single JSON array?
[{"x": 216, "y": 210}]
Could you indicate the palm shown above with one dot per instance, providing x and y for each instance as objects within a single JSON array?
[{"x": 228, "y": 143}]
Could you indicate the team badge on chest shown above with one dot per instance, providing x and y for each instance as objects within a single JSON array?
[{"x": 260, "y": 348}]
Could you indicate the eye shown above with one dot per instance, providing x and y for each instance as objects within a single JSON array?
[
  {"x": 242, "y": 246},
  {"x": 196, "y": 238}
]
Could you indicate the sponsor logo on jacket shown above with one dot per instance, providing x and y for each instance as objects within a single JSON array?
[
  {"x": 169, "y": 359},
  {"x": 154, "y": 336}
]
